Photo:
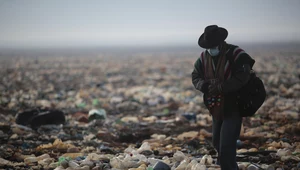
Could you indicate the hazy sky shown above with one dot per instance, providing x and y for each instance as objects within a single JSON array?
[{"x": 144, "y": 22}]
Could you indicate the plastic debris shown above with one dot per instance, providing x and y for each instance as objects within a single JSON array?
[
  {"x": 142, "y": 111},
  {"x": 161, "y": 166},
  {"x": 57, "y": 144},
  {"x": 97, "y": 114}
]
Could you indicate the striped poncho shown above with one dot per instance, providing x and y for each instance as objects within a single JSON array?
[{"x": 234, "y": 79}]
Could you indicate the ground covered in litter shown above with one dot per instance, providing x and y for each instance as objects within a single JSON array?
[{"x": 137, "y": 111}]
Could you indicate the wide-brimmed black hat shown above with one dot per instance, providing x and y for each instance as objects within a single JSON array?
[{"x": 212, "y": 36}]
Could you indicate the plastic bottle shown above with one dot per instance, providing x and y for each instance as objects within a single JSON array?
[
  {"x": 44, "y": 156},
  {"x": 182, "y": 166},
  {"x": 30, "y": 160},
  {"x": 73, "y": 164},
  {"x": 145, "y": 146},
  {"x": 198, "y": 167},
  {"x": 179, "y": 156}
]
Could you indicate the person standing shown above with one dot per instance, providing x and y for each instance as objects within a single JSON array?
[{"x": 219, "y": 73}]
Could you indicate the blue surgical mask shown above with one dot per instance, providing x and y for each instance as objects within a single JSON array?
[{"x": 213, "y": 51}]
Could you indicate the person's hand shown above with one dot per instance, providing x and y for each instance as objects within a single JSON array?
[
  {"x": 215, "y": 89},
  {"x": 205, "y": 85}
]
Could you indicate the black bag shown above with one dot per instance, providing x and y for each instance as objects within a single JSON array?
[
  {"x": 251, "y": 96},
  {"x": 37, "y": 117}
]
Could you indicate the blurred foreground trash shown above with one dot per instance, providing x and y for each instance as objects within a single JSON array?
[
  {"x": 161, "y": 166},
  {"x": 37, "y": 117}
]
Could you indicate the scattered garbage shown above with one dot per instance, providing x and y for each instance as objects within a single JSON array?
[
  {"x": 81, "y": 117},
  {"x": 97, "y": 114},
  {"x": 190, "y": 116},
  {"x": 138, "y": 114},
  {"x": 161, "y": 166}
]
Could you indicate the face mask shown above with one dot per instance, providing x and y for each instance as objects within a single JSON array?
[{"x": 213, "y": 51}]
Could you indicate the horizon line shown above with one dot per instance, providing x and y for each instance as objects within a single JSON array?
[{"x": 41, "y": 47}]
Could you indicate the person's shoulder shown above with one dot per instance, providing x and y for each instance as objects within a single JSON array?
[
  {"x": 203, "y": 53},
  {"x": 234, "y": 48},
  {"x": 200, "y": 60},
  {"x": 240, "y": 56},
  {"x": 201, "y": 57}
]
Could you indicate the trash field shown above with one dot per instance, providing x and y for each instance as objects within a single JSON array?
[{"x": 137, "y": 112}]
